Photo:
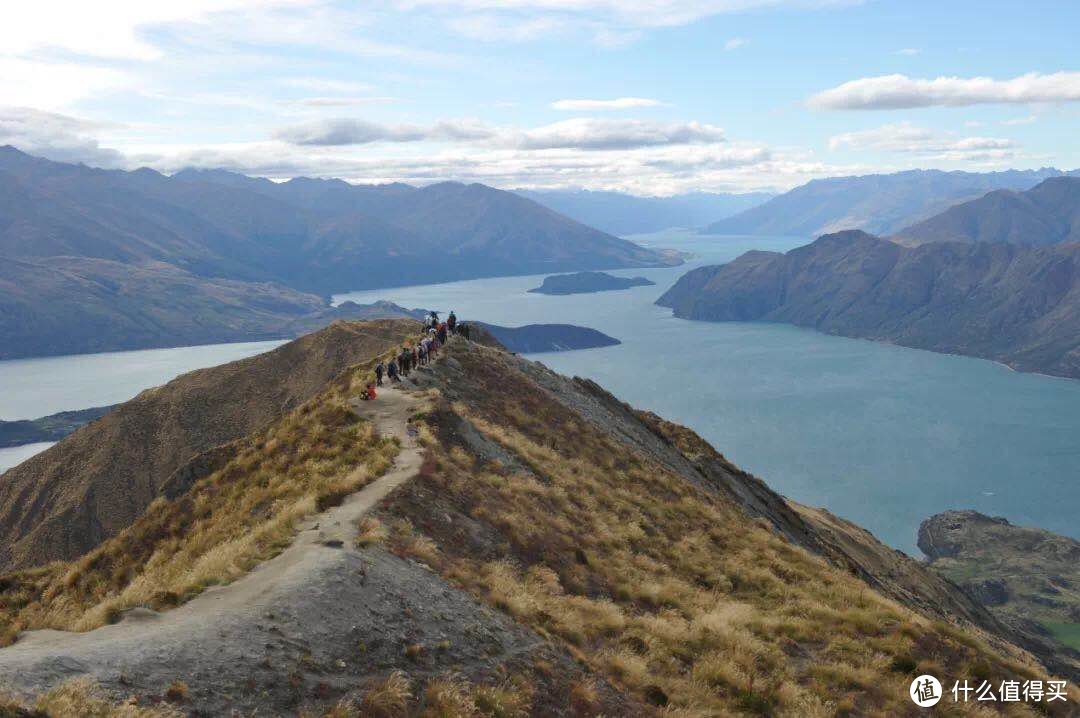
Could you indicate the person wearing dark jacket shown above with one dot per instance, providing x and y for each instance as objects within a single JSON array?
[
  {"x": 451, "y": 322},
  {"x": 392, "y": 371},
  {"x": 380, "y": 369}
]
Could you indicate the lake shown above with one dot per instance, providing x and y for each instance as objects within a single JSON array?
[
  {"x": 32, "y": 388},
  {"x": 882, "y": 435}
]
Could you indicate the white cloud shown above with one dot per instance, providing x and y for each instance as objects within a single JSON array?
[
  {"x": 908, "y": 51},
  {"x": 890, "y": 92},
  {"x": 592, "y": 134},
  {"x": 651, "y": 170},
  {"x": 341, "y": 132},
  {"x": 580, "y": 133},
  {"x": 107, "y": 28},
  {"x": 53, "y": 85},
  {"x": 611, "y": 23},
  {"x": 735, "y": 43},
  {"x": 907, "y": 138},
  {"x": 639, "y": 13},
  {"x": 55, "y": 136},
  {"x": 619, "y": 103}
]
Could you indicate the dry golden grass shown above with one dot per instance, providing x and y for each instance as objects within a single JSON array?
[
  {"x": 84, "y": 699},
  {"x": 446, "y": 696},
  {"x": 224, "y": 525},
  {"x": 387, "y": 698},
  {"x": 370, "y": 532},
  {"x": 670, "y": 592}
]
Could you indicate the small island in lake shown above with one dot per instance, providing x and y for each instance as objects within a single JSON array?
[
  {"x": 533, "y": 338},
  {"x": 587, "y": 282}
]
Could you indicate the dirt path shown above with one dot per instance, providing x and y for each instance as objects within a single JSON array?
[{"x": 146, "y": 643}]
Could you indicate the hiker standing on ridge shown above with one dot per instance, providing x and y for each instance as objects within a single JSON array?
[
  {"x": 442, "y": 333},
  {"x": 392, "y": 371},
  {"x": 451, "y": 322},
  {"x": 380, "y": 368}
]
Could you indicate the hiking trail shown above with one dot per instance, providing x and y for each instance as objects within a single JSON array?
[{"x": 301, "y": 611}]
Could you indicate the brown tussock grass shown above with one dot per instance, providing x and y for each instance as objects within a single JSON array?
[
  {"x": 228, "y": 522},
  {"x": 668, "y": 591}
]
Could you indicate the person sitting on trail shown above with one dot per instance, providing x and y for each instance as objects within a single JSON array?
[
  {"x": 392, "y": 371},
  {"x": 451, "y": 322},
  {"x": 368, "y": 393},
  {"x": 380, "y": 369}
]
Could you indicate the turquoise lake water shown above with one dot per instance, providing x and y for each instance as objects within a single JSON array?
[{"x": 881, "y": 435}]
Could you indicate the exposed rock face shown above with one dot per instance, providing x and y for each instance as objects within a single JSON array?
[
  {"x": 67, "y": 499},
  {"x": 588, "y": 282},
  {"x": 1048, "y": 213},
  {"x": 532, "y": 338},
  {"x": 1017, "y": 305},
  {"x": 1028, "y": 577}
]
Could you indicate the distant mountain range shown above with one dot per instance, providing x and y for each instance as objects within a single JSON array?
[
  {"x": 622, "y": 214},
  {"x": 879, "y": 204},
  {"x": 1015, "y": 304},
  {"x": 1049, "y": 213},
  {"x": 95, "y": 259}
]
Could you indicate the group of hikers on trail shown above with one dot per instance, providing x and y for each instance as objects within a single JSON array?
[{"x": 435, "y": 334}]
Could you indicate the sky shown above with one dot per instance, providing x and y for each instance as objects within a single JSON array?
[{"x": 652, "y": 97}]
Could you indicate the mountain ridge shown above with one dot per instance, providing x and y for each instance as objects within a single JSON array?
[
  {"x": 1048, "y": 213},
  {"x": 1013, "y": 304},
  {"x": 876, "y": 203},
  {"x": 554, "y": 519}
]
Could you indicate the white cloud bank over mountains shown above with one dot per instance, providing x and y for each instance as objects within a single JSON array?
[
  {"x": 895, "y": 92},
  {"x": 905, "y": 137},
  {"x": 583, "y": 133}
]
